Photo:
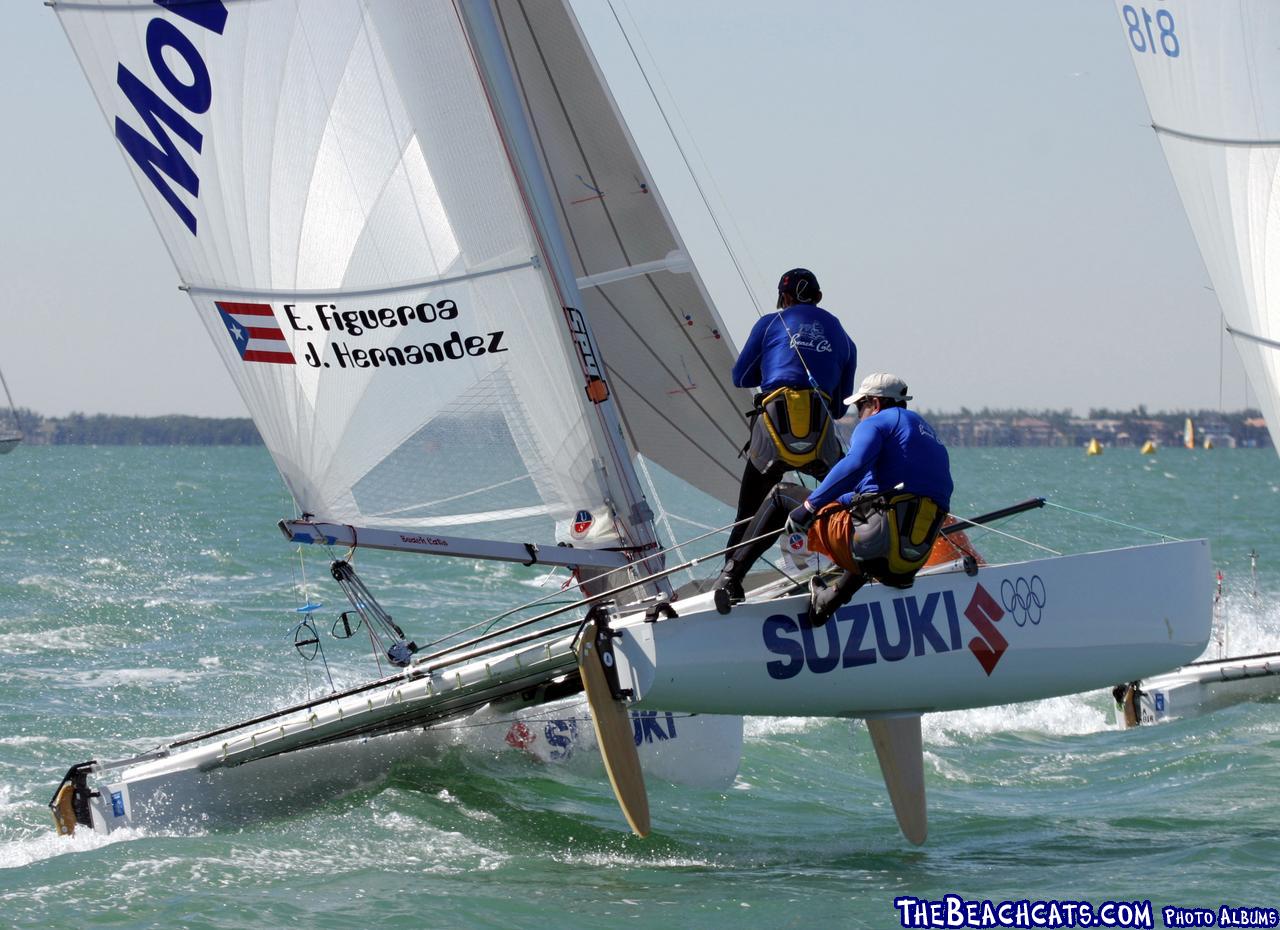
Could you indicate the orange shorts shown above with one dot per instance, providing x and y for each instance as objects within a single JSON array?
[{"x": 831, "y": 534}]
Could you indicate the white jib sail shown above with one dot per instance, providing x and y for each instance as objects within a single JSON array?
[{"x": 1211, "y": 74}]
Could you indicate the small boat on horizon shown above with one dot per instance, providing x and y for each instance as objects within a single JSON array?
[{"x": 10, "y": 435}]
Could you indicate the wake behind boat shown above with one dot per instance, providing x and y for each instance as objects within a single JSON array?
[{"x": 447, "y": 286}]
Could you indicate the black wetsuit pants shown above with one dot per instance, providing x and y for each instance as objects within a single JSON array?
[
  {"x": 770, "y": 518},
  {"x": 756, "y": 486}
]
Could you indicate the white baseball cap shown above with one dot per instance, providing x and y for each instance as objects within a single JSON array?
[{"x": 880, "y": 384}]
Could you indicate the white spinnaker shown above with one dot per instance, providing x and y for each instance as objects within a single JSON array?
[
  {"x": 273, "y": 146},
  {"x": 1211, "y": 74}
]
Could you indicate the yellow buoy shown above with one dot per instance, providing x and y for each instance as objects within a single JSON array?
[
  {"x": 1208, "y": 443},
  {"x": 1149, "y": 447},
  {"x": 1093, "y": 448}
]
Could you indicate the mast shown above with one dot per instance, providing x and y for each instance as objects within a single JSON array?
[{"x": 490, "y": 53}]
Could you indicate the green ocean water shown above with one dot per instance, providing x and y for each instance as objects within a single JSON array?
[{"x": 145, "y": 592}]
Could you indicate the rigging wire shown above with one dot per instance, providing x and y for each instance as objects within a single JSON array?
[
  {"x": 1026, "y": 542},
  {"x": 712, "y": 212},
  {"x": 1128, "y": 526},
  {"x": 576, "y": 586},
  {"x": 715, "y": 219},
  {"x": 663, "y": 516}
]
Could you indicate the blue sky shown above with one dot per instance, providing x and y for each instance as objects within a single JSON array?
[{"x": 975, "y": 185}]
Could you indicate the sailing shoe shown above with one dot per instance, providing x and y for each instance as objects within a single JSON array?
[
  {"x": 728, "y": 591},
  {"x": 819, "y": 598}
]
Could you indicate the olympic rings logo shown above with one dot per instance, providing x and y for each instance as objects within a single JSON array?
[{"x": 1023, "y": 599}]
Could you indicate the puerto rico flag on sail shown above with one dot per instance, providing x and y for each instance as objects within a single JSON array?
[{"x": 255, "y": 332}]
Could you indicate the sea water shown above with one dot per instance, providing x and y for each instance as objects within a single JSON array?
[{"x": 146, "y": 593}]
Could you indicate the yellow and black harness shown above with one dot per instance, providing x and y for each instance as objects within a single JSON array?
[
  {"x": 896, "y": 549},
  {"x": 791, "y": 428}
]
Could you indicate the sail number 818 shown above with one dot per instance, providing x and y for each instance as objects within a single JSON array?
[{"x": 1142, "y": 36}]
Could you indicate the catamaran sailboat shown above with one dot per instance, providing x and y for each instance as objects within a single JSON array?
[
  {"x": 1212, "y": 81},
  {"x": 448, "y": 288},
  {"x": 10, "y": 436}
]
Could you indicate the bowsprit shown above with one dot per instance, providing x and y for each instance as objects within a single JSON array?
[{"x": 159, "y": 158}]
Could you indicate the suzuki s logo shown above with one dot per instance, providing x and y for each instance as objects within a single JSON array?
[
  {"x": 177, "y": 68},
  {"x": 582, "y": 522},
  {"x": 864, "y": 634}
]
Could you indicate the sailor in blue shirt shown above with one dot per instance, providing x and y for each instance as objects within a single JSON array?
[
  {"x": 892, "y": 449},
  {"x": 876, "y": 513},
  {"x": 803, "y": 361}
]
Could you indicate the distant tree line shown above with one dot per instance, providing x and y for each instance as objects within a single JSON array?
[
  {"x": 1120, "y": 428},
  {"x": 985, "y": 427},
  {"x": 80, "y": 429}
]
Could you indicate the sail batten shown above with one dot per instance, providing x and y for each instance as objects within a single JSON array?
[
  {"x": 1261, "y": 340},
  {"x": 230, "y": 290},
  {"x": 1214, "y": 140}
]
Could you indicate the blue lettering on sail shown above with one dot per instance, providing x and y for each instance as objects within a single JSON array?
[
  {"x": 211, "y": 14},
  {"x": 159, "y": 157}
]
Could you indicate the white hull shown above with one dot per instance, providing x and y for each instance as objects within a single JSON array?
[
  {"x": 1205, "y": 687},
  {"x": 8, "y": 443},
  {"x": 1067, "y": 624},
  {"x": 184, "y": 791},
  {"x": 1011, "y": 633}
]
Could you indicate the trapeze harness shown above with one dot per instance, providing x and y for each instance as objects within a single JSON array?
[
  {"x": 887, "y": 536},
  {"x": 791, "y": 429}
]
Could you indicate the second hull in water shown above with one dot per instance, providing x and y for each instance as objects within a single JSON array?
[
  {"x": 1199, "y": 688},
  {"x": 191, "y": 791}
]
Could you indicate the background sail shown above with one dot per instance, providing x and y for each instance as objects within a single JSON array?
[
  {"x": 363, "y": 262},
  {"x": 1211, "y": 74}
]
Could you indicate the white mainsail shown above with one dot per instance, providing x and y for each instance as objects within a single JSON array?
[
  {"x": 344, "y": 206},
  {"x": 1211, "y": 74}
]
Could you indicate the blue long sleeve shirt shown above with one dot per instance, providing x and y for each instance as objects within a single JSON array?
[
  {"x": 891, "y": 448},
  {"x": 769, "y": 360}
]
